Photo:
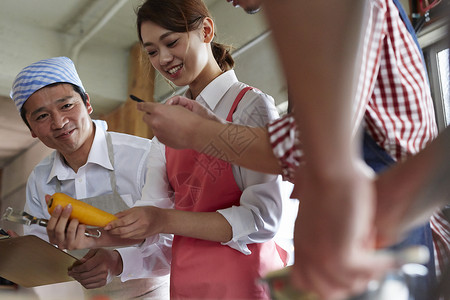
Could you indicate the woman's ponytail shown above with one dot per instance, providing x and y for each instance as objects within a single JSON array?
[{"x": 223, "y": 56}]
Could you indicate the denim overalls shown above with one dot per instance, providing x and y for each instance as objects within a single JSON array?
[{"x": 378, "y": 159}]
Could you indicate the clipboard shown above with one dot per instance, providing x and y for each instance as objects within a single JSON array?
[{"x": 30, "y": 261}]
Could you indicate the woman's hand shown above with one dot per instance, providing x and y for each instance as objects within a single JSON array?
[
  {"x": 194, "y": 107},
  {"x": 138, "y": 222},
  {"x": 178, "y": 127}
]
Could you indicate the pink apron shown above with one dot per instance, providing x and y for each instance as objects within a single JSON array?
[{"x": 208, "y": 270}]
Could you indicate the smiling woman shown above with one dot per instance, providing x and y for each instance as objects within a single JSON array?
[
  {"x": 169, "y": 36},
  {"x": 242, "y": 208}
]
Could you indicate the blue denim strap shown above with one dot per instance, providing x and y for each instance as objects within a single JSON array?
[{"x": 410, "y": 28}]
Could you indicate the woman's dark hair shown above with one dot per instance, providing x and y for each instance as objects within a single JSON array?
[
  {"x": 76, "y": 88},
  {"x": 182, "y": 16}
]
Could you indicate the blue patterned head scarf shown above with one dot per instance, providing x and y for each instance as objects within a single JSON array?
[{"x": 43, "y": 73}]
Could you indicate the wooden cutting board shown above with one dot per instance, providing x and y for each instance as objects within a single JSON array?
[{"x": 30, "y": 261}]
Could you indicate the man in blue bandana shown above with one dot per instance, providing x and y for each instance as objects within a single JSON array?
[{"x": 104, "y": 169}]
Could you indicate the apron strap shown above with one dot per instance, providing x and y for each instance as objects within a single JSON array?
[
  {"x": 406, "y": 20},
  {"x": 410, "y": 28},
  {"x": 112, "y": 174},
  {"x": 236, "y": 102},
  {"x": 58, "y": 186}
]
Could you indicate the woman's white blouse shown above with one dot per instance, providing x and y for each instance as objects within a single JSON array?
[{"x": 257, "y": 219}]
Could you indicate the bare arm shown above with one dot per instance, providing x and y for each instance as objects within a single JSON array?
[
  {"x": 318, "y": 43},
  {"x": 180, "y": 128},
  {"x": 417, "y": 194},
  {"x": 141, "y": 222}
]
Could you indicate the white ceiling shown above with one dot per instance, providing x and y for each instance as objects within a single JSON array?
[{"x": 34, "y": 30}]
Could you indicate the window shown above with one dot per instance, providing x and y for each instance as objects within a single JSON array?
[
  {"x": 443, "y": 57},
  {"x": 436, "y": 52}
]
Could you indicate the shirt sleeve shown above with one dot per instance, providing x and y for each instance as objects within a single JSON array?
[
  {"x": 153, "y": 257},
  {"x": 258, "y": 216},
  {"x": 284, "y": 139}
]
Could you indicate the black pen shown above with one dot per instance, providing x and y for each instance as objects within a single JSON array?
[{"x": 133, "y": 97}]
